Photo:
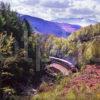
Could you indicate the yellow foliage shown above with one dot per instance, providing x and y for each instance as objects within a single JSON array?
[
  {"x": 92, "y": 50},
  {"x": 6, "y": 43}
]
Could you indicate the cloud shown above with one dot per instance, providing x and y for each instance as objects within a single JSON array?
[
  {"x": 54, "y": 9},
  {"x": 30, "y": 2},
  {"x": 79, "y": 4},
  {"x": 82, "y": 11},
  {"x": 56, "y": 4}
]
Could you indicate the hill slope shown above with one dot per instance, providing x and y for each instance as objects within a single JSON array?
[
  {"x": 48, "y": 27},
  {"x": 80, "y": 86}
]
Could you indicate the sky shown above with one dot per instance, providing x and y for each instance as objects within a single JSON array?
[{"x": 55, "y": 9}]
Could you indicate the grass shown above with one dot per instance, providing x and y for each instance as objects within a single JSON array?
[
  {"x": 56, "y": 94},
  {"x": 83, "y": 93}
]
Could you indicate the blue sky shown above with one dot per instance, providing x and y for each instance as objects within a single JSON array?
[{"x": 54, "y": 9}]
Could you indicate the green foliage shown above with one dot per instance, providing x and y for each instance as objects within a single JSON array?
[
  {"x": 16, "y": 72},
  {"x": 10, "y": 22},
  {"x": 2, "y": 23},
  {"x": 58, "y": 78}
]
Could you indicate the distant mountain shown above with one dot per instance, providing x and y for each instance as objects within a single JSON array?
[
  {"x": 69, "y": 27},
  {"x": 48, "y": 27},
  {"x": 79, "y": 21}
]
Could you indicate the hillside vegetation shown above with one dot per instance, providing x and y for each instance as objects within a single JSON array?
[
  {"x": 86, "y": 41},
  {"x": 79, "y": 86}
]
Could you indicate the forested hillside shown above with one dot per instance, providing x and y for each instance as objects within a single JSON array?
[{"x": 86, "y": 41}]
